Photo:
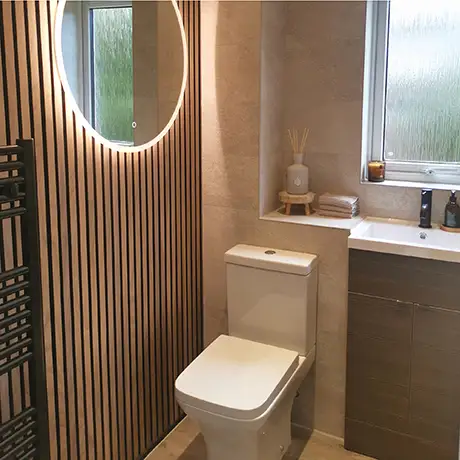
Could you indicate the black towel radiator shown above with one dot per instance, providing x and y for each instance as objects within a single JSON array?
[{"x": 23, "y": 403}]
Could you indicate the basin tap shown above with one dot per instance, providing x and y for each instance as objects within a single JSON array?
[{"x": 425, "y": 208}]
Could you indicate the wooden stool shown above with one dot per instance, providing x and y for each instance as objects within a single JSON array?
[{"x": 287, "y": 199}]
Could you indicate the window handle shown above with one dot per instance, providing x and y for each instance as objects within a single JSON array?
[{"x": 433, "y": 171}]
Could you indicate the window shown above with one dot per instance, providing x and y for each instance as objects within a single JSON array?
[
  {"x": 412, "y": 89},
  {"x": 99, "y": 64},
  {"x": 110, "y": 78}
]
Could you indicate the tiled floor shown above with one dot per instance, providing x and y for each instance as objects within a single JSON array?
[{"x": 186, "y": 443}]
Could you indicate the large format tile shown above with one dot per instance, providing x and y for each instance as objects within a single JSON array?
[
  {"x": 220, "y": 176},
  {"x": 186, "y": 443}
]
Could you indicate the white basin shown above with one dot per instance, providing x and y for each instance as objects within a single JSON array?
[{"x": 405, "y": 238}]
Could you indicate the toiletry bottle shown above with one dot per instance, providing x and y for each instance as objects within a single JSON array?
[{"x": 452, "y": 212}]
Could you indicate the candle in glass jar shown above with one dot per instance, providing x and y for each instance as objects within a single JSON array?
[{"x": 376, "y": 171}]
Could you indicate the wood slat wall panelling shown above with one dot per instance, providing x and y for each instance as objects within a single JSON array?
[
  {"x": 10, "y": 227},
  {"x": 3, "y": 87},
  {"x": 120, "y": 252}
]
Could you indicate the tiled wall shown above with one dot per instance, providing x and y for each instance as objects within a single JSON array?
[
  {"x": 231, "y": 40},
  {"x": 323, "y": 63},
  {"x": 323, "y": 56},
  {"x": 272, "y": 70}
]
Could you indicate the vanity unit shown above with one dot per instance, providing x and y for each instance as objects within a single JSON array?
[{"x": 403, "y": 355}]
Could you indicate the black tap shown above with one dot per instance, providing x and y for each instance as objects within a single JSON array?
[{"x": 425, "y": 208}]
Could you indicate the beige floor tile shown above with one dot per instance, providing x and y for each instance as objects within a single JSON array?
[{"x": 186, "y": 443}]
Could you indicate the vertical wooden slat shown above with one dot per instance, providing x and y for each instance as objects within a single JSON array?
[
  {"x": 131, "y": 306},
  {"x": 137, "y": 312},
  {"x": 167, "y": 278},
  {"x": 146, "y": 332},
  {"x": 9, "y": 74},
  {"x": 110, "y": 303},
  {"x": 84, "y": 160},
  {"x": 81, "y": 301},
  {"x": 24, "y": 130},
  {"x": 21, "y": 50},
  {"x": 13, "y": 129},
  {"x": 173, "y": 256},
  {"x": 71, "y": 298},
  {"x": 94, "y": 323},
  {"x": 3, "y": 87},
  {"x": 120, "y": 252},
  {"x": 178, "y": 258},
  {"x": 159, "y": 301},
  {"x": 36, "y": 111},
  {"x": 49, "y": 146},
  {"x": 100, "y": 152},
  {"x": 127, "y": 387},
  {"x": 154, "y": 395},
  {"x": 118, "y": 302}
]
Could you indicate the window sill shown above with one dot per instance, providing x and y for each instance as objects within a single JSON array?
[
  {"x": 313, "y": 220},
  {"x": 406, "y": 184}
]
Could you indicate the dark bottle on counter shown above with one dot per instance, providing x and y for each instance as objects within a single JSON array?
[{"x": 452, "y": 212}]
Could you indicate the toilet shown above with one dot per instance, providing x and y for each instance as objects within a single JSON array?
[{"x": 241, "y": 388}]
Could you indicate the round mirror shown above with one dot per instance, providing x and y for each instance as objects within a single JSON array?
[{"x": 123, "y": 66}]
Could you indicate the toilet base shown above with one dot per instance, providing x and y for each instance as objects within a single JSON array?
[
  {"x": 245, "y": 441},
  {"x": 267, "y": 437}
]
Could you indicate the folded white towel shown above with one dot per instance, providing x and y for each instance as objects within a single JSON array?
[
  {"x": 341, "y": 201},
  {"x": 343, "y": 215},
  {"x": 325, "y": 207}
]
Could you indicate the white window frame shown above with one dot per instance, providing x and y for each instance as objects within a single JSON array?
[
  {"x": 87, "y": 6},
  {"x": 437, "y": 175}
]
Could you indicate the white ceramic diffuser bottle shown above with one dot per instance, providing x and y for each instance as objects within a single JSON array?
[{"x": 297, "y": 173}]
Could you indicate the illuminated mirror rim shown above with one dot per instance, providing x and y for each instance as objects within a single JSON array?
[{"x": 59, "y": 59}]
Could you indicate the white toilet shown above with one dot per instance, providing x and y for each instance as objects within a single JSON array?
[{"x": 241, "y": 388}]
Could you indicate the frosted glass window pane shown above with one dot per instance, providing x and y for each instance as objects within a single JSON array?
[
  {"x": 113, "y": 73},
  {"x": 423, "y": 81}
]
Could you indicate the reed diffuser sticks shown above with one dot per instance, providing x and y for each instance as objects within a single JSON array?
[{"x": 294, "y": 140}]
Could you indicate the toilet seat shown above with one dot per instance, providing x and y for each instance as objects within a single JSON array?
[{"x": 236, "y": 378}]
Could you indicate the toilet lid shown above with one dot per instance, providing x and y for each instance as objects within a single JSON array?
[{"x": 236, "y": 378}]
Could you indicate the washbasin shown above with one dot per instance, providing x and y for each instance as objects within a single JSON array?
[{"x": 402, "y": 237}]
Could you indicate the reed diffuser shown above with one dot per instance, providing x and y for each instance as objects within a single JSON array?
[{"x": 297, "y": 173}]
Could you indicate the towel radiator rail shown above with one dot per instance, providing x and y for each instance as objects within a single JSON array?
[{"x": 23, "y": 403}]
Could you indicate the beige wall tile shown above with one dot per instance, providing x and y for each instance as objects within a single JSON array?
[
  {"x": 230, "y": 181},
  {"x": 324, "y": 77},
  {"x": 271, "y": 84},
  {"x": 245, "y": 115}
]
